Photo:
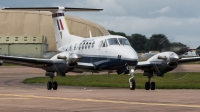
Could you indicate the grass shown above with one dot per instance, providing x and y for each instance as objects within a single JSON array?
[
  {"x": 169, "y": 81},
  {"x": 7, "y": 64}
]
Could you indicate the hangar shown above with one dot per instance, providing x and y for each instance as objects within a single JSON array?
[{"x": 31, "y": 34}]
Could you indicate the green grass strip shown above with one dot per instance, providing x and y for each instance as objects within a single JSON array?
[{"x": 169, "y": 81}]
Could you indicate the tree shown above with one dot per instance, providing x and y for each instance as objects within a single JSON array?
[
  {"x": 177, "y": 44},
  {"x": 158, "y": 42},
  {"x": 138, "y": 42},
  {"x": 178, "y": 48},
  {"x": 117, "y": 33}
]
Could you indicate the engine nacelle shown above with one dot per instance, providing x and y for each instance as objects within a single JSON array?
[
  {"x": 159, "y": 69},
  {"x": 172, "y": 65},
  {"x": 63, "y": 62},
  {"x": 161, "y": 63}
]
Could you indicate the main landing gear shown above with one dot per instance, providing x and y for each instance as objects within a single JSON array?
[
  {"x": 52, "y": 84},
  {"x": 131, "y": 79},
  {"x": 149, "y": 84}
]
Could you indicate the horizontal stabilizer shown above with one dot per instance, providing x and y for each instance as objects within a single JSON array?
[{"x": 52, "y": 9}]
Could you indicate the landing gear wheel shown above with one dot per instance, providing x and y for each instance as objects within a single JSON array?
[
  {"x": 153, "y": 85},
  {"x": 55, "y": 85},
  {"x": 49, "y": 85},
  {"x": 132, "y": 84},
  {"x": 147, "y": 85}
]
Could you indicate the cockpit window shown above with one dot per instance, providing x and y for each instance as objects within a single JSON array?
[
  {"x": 113, "y": 41},
  {"x": 124, "y": 41}
]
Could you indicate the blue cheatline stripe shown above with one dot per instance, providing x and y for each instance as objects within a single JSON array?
[{"x": 58, "y": 25}]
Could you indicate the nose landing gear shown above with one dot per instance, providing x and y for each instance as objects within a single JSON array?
[{"x": 131, "y": 79}]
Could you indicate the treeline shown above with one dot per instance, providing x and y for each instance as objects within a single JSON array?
[{"x": 157, "y": 42}]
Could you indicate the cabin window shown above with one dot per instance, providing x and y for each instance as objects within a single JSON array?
[
  {"x": 80, "y": 46},
  {"x": 113, "y": 41},
  {"x": 93, "y": 44},
  {"x": 124, "y": 41},
  {"x": 89, "y": 45},
  {"x": 86, "y": 45},
  {"x": 83, "y": 45},
  {"x": 70, "y": 48},
  {"x": 75, "y": 46}
]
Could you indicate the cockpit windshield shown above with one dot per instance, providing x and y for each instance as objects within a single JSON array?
[
  {"x": 124, "y": 41},
  {"x": 113, "y": 41}
]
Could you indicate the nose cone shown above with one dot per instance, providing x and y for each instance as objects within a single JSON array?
[
  {"x": 130, "y": 54},
  {"x": 174, "y": 58},
  {"x": 74, "y": 57}
]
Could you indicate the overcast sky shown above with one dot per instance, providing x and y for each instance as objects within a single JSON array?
[{"x": 179, "y": 20}]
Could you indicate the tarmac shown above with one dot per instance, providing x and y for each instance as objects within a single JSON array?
[{"x": 18, "y": 97}]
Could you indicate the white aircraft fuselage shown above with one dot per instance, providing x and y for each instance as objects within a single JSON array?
[{"x": 97, "y": 53}]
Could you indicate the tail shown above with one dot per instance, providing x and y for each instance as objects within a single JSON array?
[{"x": 61, "y": 29}]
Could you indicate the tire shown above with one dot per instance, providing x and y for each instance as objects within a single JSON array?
[
  {"x": 55, "y": 86},
  {"x": 153, "y": 86},
  {"x": 49, "y": 85},
  {"x": 147, "y": 85},
  {"x": 132, "y": 82}
]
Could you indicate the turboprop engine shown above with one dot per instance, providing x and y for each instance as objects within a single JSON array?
[
  {"x": 71, "y": 58},
  {"x": 162, "y": 63},
  {"x": 64, "y": 62}
]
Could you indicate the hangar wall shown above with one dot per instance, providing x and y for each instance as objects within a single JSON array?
[
  {"x": 24, "y": 46},
  {"x": 23, "y": 23}
]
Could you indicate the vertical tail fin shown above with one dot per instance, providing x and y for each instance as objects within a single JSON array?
[{"x": 61, "y": 29}]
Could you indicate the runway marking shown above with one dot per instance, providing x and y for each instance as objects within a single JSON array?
[
  {"x": 101, "y": 101},
  {"x": 14, "y": 98}
]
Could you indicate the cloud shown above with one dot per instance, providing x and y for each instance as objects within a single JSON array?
[
  {"x": 178, "y": 29},
  {"x": 110, "y": 7},
  {"x": 164, "y": 10},
  {"x": 161, "y": 11}
]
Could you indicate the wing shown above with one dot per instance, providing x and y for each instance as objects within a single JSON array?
[
  {"x": 24, "y": 61},
  {"x": 191, "y": 59},
  {"x": 143, "y": 64},
  {"x": 85, "y": 65}
]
